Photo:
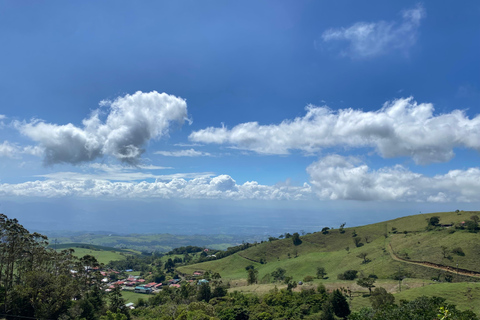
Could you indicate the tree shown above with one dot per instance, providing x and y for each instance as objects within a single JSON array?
[
  {"x": 475, "y": 219},
  {"x": 279, "y": 274},
  {"x": 325, "y": 230},
  {"x": 296, "y": 239},
  {"x": 433, "y": 221},
  {"x": 471, "y": 226},
  {"x": 169, "y": 265},
  {"x": 363, "y": 256},
  {"x": 366, "y": 283},
  {"x": 252, "y": 276},
  {"x": 321, "y": 273},
  {"x": 204, "y": 292},
  {"x": 340, "y": 304},
  {"x": 342, "y": 226},
  {"x": 380, "y": 298},
  {"x": 117, "y": 302},
  {"x": 357, "y": 241}
]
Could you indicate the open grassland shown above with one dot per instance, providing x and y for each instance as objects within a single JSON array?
[
  {"x": 337, "y": 252},
  {"x": 465, "y": 295},
  {"x": 102, "y": 256}
]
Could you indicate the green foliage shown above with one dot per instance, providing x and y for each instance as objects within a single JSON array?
[
  {"x": 380, "y": 298},
  {"x": 296, "y": 239},
  {"x": 325, "y": 230},
  {"x": 348, "y": 275},
  {"x": 340, "y": 304},
  {"x": 420, "y": 308},
  {"x": 252, "y": 276},
  {"x": 308, "y": 279},
  {"x": 366, "y": 283},
  {"x": 321, "y": 273},
  {"x": 458, "y": 251},
  {"x": 357, "y": 241},
  {"x": 433, "y": 222},
  {"x": 279, "y": 274}
]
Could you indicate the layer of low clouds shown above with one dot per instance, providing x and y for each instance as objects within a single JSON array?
[
  {"x": 335, "y": 177},
  {"x": 400, "y": 128},
  {"x": 183, "y": 153},
  {"x": 132, "y": 121},
  {"x": 370, "y": 39},
  {"x": 218, "y": 187}
]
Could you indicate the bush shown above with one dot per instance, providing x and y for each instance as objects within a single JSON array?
[
  {"x": 458, "y": 251},
  {"x": 348, "y": 275},
  {"x": 308, "y": 279}
]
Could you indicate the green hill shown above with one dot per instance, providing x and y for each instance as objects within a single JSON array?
[{"x": 397, "y": 248}]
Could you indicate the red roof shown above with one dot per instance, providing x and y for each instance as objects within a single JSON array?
[
  {"x": 176, "y": 285},
  {"x": 141, "y": 280}
]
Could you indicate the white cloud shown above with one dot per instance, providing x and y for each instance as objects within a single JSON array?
[
  {"x": 369, "y": 39},
  {"x": 202, "y": 187},
  {"x": 132, "y": 121},
  {"x": 8, "y": 150},
  {"x": 401, "y": 128},
  {"x": 183, "y": 153},
  {"x": 12, "y": 150},
  {"x": 338, "y": 178}
]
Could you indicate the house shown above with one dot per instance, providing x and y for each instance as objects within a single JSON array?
[
  {"x": 130, "y": 305},
  {"x": 150, "y": 285},
  {"x": 202, "y": 281},
  {"x": 174, "y": 285},
  {"x": 142, "y": 289}
]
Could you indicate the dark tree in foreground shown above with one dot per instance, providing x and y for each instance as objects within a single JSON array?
[
  {"x": 340, "y": 304},
  {"x": 380, "y": 298}
]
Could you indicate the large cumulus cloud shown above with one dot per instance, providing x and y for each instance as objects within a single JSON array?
[
  {"x": 347, "y": 178},
  {"x": 402, "y": 127},
  {"x": 131, "y": 122}
]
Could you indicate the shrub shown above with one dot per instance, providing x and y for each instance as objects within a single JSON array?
[
  {"x": 308, "y": 279},
  {"x": 458, "y": 251},
  {"x": 348, "y": 275}
]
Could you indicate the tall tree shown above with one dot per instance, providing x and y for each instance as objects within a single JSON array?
[{"x": 340, "y": 304}]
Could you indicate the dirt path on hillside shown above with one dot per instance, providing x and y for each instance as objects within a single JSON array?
[{"x": 432, "y": 265}]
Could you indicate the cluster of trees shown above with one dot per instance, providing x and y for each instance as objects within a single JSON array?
[
  {"x": 383, "y": 308},
  {"x": 471, "y": 225},
  {"x": 191, "y": 302},
  {"x": 39, "y": 282}
]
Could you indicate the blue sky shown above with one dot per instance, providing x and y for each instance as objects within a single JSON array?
[{"x": 244, "y": 111}]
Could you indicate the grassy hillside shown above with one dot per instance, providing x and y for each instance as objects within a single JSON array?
[
  {"x": 337, "y": 252},
  {"x": 101, "y": 253}
]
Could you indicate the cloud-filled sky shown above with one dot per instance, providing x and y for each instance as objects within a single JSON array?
[{"x": 319, "y": 107}]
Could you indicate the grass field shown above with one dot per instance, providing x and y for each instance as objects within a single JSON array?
[
  {"x": 102, "y": 256},
  {"x": 337, "y": 252},
  {"x": 131, "y": 296}
]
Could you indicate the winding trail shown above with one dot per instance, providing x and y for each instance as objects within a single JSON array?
[{"x": 432, "y": 265}]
